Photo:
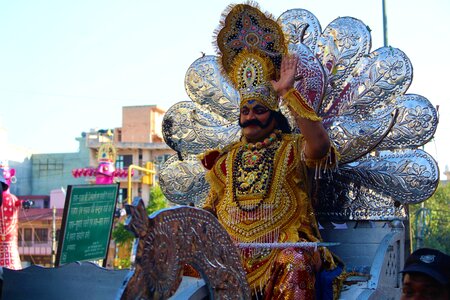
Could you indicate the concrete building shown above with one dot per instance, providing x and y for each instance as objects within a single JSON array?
[
  {"x": 139, "y": 141},
  {"x": 43, "y": 177}
]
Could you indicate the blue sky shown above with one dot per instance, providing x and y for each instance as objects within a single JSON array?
[{"x": 69, "y": 66}]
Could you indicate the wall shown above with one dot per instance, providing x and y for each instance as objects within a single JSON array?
[
  {"x": 57, "y": 198},
  {"x": 54, "y": 170},
  {"x": 136, "y": 124}
]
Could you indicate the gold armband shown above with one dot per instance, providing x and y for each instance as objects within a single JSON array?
[{"x": 300, "y": 106}]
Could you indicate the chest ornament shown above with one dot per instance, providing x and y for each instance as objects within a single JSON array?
[{"x": 253, "y": 169}]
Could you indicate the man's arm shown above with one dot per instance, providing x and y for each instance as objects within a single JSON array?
[{"x": 317, "y": 142}]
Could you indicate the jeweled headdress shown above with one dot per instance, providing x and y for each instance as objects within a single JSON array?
[{"x": 250, "y": 45}]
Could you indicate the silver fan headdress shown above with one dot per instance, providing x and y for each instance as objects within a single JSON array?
[{"x": 377, "y": 128}]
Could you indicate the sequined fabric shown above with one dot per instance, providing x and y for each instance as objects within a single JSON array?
[
  {"x": 9, "y": 251},
  {"x": 292, "y": 276}
]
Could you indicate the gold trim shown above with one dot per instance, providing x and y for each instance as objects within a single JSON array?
[{"x": 298, "y": 104}]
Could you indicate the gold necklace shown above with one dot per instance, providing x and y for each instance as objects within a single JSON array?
[{"x": 252, "y": 171}]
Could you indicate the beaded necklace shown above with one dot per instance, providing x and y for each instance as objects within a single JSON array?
[
  {"x": 266, "y": 143},
  {"x": 253, "y": 170}
]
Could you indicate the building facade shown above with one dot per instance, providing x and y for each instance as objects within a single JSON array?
[{"x": 138, "y": 142}]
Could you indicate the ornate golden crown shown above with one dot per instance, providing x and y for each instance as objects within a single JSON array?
[{"x": 251, "y": 45}]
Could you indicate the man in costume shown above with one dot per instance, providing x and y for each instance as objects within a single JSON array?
[{"x": 259, "y": 185}]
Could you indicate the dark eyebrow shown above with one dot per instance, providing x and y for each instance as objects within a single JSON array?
[
  {"x": 260, "y": 106},
  {"x": 256, "y": 107}
]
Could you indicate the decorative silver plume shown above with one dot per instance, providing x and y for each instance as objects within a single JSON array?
[{"x": 377, "y": 128}]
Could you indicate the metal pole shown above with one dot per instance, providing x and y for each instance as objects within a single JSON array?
[
  {"x": 419, "y": 228},
  {"x": 385, "y": 35},
  {"x": 130, "y": 170},
  {"x": 54, "y": 236}
]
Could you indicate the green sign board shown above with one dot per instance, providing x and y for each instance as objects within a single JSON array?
[{"x": 87, "y": 223}]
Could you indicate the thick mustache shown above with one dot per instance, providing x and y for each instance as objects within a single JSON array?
[
  {"x": 252, "y": 122},
  {"x": 257, "y": 122}
]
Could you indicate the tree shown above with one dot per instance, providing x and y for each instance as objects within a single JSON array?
[
  {"x": 122, "y": 237},
  {"x": 430, "y": 221},
  {"x": 157, "y": 200}
]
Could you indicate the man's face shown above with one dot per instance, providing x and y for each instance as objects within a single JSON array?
[
  {"x": 421, "y": 286},
  {"x": 256, "y": 121}
]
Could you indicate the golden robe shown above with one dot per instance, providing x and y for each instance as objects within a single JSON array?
[{"x": 265, "y": 204}]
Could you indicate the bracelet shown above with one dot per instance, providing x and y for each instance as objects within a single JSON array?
[{"x": 300, "y": 106}]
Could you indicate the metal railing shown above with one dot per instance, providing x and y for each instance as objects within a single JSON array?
[{"x": 130, "y": 171}]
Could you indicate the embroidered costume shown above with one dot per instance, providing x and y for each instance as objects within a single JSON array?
[
  {"x": 261, "y": 196},
  {"x": 259, "y": 191}
]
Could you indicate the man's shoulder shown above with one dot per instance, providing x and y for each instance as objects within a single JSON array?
[{"x": 211, "y": 157}]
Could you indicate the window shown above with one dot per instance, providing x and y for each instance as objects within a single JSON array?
[
  {"x": 119, "y": 135},
  {"x": 119, "y": 162},
  {"x": 162, "y": 158},
  {"x": 123, "y": 161},
  {"x": 40, "y": 235},
  {"x": 48, "y": 167},
  {"x": 122, "y": 195},
  {"x": 127, "y": 160},
  {"x": 19, "y": 237},
  {"x": 27, "y": 236}
]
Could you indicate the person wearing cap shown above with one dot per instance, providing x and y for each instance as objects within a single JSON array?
[{"x": 426, "y": 275}]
